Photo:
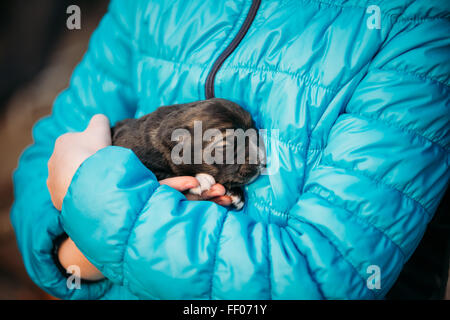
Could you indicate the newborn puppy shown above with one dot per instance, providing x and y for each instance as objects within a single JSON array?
[{"x": 170, "y": 133}]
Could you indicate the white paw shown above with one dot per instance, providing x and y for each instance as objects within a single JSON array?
[
  {"x": 236, "y": 200},
  {"x": 205, "y": 180}
]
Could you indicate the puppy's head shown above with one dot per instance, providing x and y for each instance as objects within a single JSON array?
[{"x": 214, "y": 136}]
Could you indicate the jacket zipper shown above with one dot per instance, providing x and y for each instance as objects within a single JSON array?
[{"x": 209, "y": 86}]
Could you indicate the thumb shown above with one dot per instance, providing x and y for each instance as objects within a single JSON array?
[
  {"x": 99, "y": 129},
  {"x": 98, "y": 123}
]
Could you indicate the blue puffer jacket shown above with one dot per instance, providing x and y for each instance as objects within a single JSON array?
[{"x": 359, "y": 163}]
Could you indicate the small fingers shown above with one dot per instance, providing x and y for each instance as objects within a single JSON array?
[
  {"x": 216, "y": 190},
  {"x": 222, "y": 200},
  {"x": 216, "y": 193},
  {"x": 180, "y": 183}
]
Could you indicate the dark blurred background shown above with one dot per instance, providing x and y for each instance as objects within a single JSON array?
[{"x": 37, "y": 56}]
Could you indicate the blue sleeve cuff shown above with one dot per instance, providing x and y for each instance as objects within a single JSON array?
[{"x": 105, "y": 197}]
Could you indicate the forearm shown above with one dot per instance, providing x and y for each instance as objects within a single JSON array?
[{"x": 69, "y": 255}]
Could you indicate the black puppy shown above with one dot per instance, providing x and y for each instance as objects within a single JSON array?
[{"x": 166, "y": 141}]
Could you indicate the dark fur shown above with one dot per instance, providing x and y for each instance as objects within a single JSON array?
[{"x": 150, "y": 139}]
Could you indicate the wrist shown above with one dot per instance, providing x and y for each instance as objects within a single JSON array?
[{"x": 69, "y": 255}]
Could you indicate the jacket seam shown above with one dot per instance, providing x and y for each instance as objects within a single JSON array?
[
  {"x": 358, "y": 218},
  {"x": 421, "y": 76},
  {"x": 219, "y": 236},
  {"x": 332, "y": 5},
  {"x": 307, "y": 81},
  {"x": 420, "y": 20},
  {"x": 389, "y": 15},
  {"x": 337, "y": 248},
  {"x": 145, "y": 55},
  {"x": 295, "y": 146},
  {"x": 418, "y": 134},
  {"x": 269, "y": 206},
  {"x": 376, "y": 181}
]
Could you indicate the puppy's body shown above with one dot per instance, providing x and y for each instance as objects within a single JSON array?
[
  {"x": 141, "y": 135},
  {"x": 150, "y": 137}
]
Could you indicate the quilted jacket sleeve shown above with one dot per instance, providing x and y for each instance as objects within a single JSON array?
[
  {"x": 364, "y": 207},
  {"x": 100, "y": 84}
]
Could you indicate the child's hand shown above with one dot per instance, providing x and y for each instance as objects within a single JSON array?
[
  {"x": 71, "y": 149},
  {"x": 216, "y": 193},
  {"x": 69, "y": 255}
]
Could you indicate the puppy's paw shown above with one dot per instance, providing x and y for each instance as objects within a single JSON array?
[
  {"x": 205, "y": 180},
  {"x": 237, "y": 198}
]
